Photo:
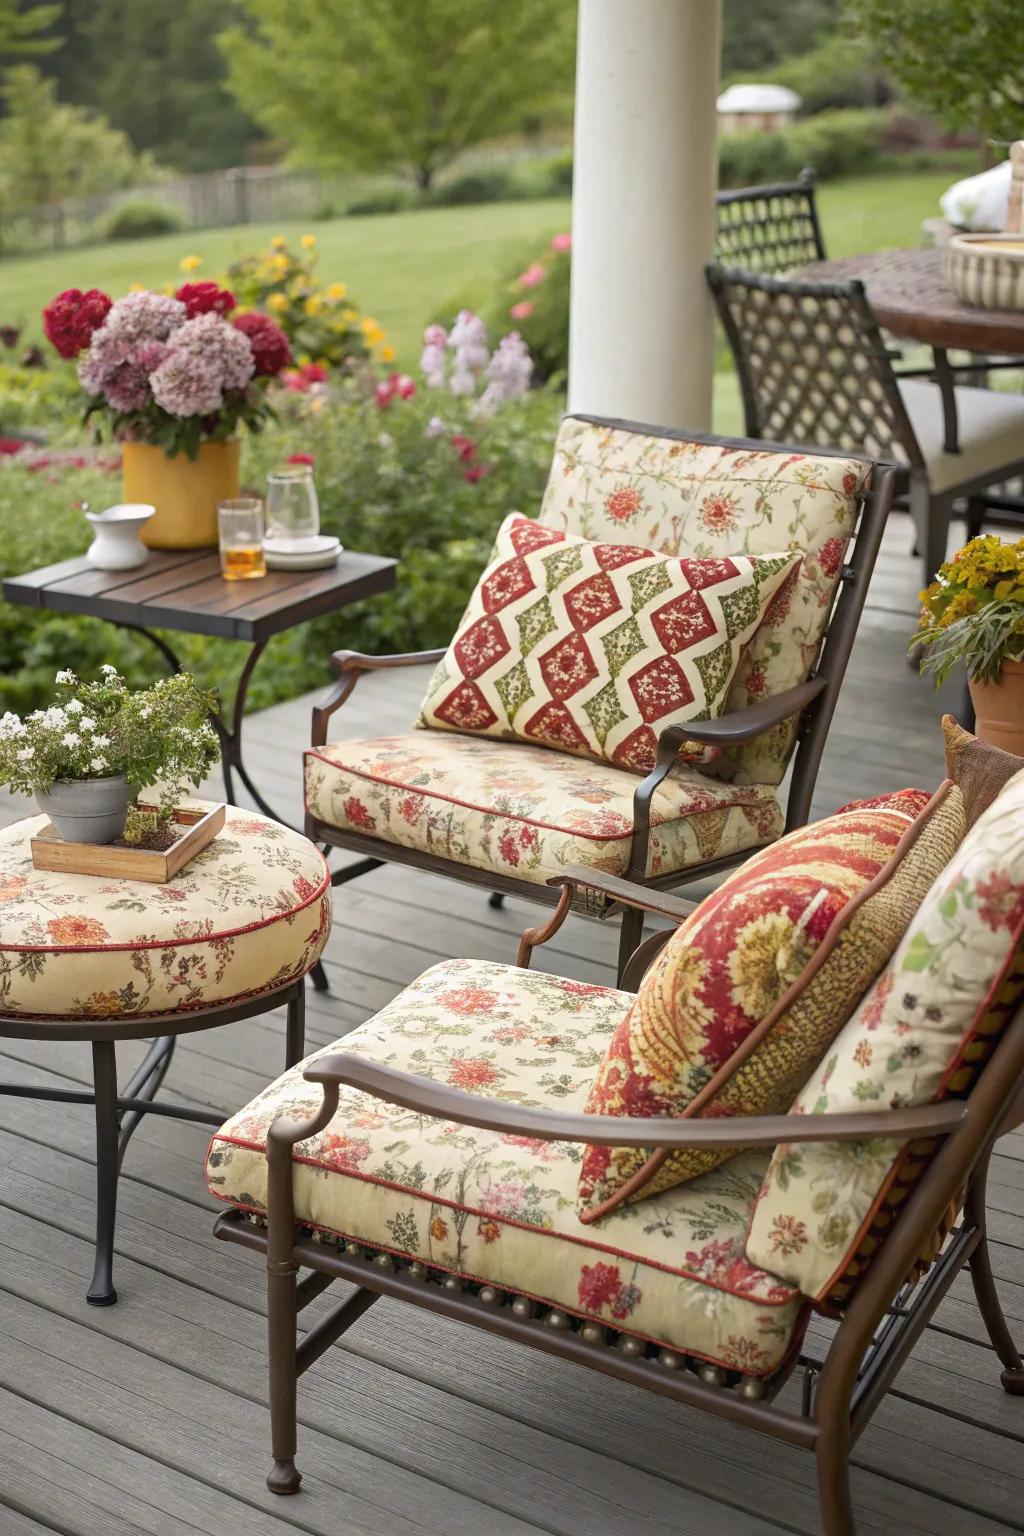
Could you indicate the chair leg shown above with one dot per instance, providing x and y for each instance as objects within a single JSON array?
[
  {"x": 282, "y": 1312},
  {"x": 991, "y": 1310},
  {"x": 833, "y": 1456},
  {"x": 931, "y": 521},
  {"x": 975, "y": 516},
  {"x": 295, "y": 1028},
  {"x": 631, "y": 933}
]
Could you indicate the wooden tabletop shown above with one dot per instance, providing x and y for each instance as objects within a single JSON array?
[
  {"x": 184, "y": 589},
  {"x": 911, "y": 299}
]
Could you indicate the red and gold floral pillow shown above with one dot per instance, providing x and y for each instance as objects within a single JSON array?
[
  {"x": 596, "y": 648},
  {"x": 746, "y": 997}
]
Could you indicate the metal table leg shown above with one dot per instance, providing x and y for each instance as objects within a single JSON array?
[{"x": 101, "y": 1292}]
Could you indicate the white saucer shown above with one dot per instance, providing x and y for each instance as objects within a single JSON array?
[{"x": 301, "y": 554}]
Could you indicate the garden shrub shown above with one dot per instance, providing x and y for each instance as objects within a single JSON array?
[
  {"x": 500, "y": 185},
  {"x": 837, "y": 143},
  {"x": 395, "y": 201},
  {"x": 135, "y": 221},
  {"x": 46, "y": 401},
  {"x": 533, "y": 297}
]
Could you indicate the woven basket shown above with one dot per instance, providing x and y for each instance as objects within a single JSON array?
[{"x": 985, "y": 269}]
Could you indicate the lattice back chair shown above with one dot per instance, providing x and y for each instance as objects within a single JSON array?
[
  {"x": 770, "y": 229},
  {"x": 814, "y": 369}
]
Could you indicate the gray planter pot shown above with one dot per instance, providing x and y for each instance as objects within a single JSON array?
[{"x": 88, "y": 810}]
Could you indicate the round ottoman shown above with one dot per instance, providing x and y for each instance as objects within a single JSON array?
[{"x": 82, "y": 957}]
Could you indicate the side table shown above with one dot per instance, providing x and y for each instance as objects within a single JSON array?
[{"x": 232, "y": 936}]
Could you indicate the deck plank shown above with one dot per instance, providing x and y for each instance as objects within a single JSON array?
[{"x": 149, "y": 1417}]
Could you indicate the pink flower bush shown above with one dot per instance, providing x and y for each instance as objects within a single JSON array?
[
  {"x": 523, "y": 310},
  {"x": 561, "y": 242},
  {"x": 534, "y": 274},
  {"x": 460, "y": 360}
]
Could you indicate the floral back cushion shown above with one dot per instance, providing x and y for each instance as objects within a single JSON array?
[
  {"x": 596, "y": 648},
  {"x": 748, "y": 994},
  {"x": 708, "y": 500},
  {"x": 920, "y": 1034}
]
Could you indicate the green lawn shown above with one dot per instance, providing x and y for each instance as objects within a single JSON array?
[
  {"x": 399, "y": 267},
  {"x": 405, "y": 267}
]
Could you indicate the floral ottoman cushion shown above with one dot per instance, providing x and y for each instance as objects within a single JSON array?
[
  {"x": 921, "y": 1033},
  {"x": 527, "y": 811},
  {"x": 248, "y": 914},
  {"x": 743, "y": 1001},
  {"x": 618, "y": 484},
  {"x": 502, "y": 1208},
  {"x": 596, "y": 648}
]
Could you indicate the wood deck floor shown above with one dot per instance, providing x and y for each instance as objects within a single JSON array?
[{"x": 149, "y": 1416}]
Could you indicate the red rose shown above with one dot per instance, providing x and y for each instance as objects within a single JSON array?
[
  {"x": 205, "y": 299},
  {"x": 464, "y": 447},
  {"x": 301, "y": 458},
  {"x": 71, "y": 318},
  {"x": 270, "y": 346},
  {"x": 475, "y": 473}
]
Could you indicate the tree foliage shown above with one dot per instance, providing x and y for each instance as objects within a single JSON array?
[
  {"x": 22, "y": 28},
  {"x": 154, "y": 70},
  {"x": 761, "y": 33},
  {"x": 963, "y": 60},
  {"x": 50, "y": 151},
  {"x": 399, "y": 85}
]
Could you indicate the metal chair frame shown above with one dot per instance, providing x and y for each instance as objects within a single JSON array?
[
  {"x": 815, "y": 370},
  {"x": 813, "y": 701},
  {"x": 877, "y": 1328},
  {"x": 770, "y": 229}
]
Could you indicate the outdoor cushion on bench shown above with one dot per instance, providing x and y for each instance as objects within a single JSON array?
[
  {"x": 502, "y": 1208},
  {"x": 527, "y": 811}
]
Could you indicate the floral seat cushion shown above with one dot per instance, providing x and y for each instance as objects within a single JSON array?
[
  {"x": 527, "y": 811},
  {"x": 248, "y": 914},
  {"x": 709, "y": 500},
  {"x": 502, "y": 1208}
]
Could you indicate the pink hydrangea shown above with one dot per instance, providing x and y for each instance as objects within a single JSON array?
[
  {"x": 205, "y": 359},
  {"x": 127, "y": 347}
]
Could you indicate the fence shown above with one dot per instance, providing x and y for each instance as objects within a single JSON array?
[{"x": 219, "y": 199}]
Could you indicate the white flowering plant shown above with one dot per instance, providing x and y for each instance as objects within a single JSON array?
[{"x": 99, "y": 729}]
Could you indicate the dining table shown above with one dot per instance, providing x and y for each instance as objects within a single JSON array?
[{"x": 912, "y": 302}]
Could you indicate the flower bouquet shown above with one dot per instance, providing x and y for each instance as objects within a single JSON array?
[
  {"x": 973, "y": 612},
  {"x": 175, "y": 376},
  {"x": 86, "y": 756}
]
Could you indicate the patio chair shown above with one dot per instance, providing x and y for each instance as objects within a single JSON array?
[
  {"x": 506, "y": 815},
  {"x": 814, "y": 370},
  {"x": 770, "y": 229},
  {"x": 415, "y": 1198}
]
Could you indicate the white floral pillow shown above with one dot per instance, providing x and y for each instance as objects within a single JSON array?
[{"x": 919, "y": 1035}]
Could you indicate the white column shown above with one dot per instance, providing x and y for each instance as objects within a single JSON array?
[{"x": 641, "y": 332}]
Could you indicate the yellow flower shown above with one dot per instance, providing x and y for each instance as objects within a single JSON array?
[
  {"x": 387, "y": 354},
  {"x": 309, "y": 241},
  {"x": 190, "y": 263},
  {"x": 304, "y": 359},
  {"x": 349, "y": 315},
  {"x": 277, "y": 302},
  {"x": 278, "y": 243},
  {"x": 314, "y": 304},
  {"x": 373, "y": 332},
  {"x": 337, "y": 291},
  {"x": 136, "y": 287}
]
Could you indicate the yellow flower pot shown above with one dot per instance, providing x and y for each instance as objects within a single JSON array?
[{"x": 184, "y": 491}]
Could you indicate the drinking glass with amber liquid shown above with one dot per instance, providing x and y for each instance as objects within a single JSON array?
[{"x": 240, "y": 525}]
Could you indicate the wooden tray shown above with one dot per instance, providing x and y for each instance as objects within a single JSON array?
[{"x": 116, "y": 863}]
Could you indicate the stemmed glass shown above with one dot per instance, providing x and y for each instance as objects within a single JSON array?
[{"x": 293, "y": 512}]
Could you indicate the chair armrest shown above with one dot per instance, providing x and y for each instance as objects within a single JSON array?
[
  {"x": 426, "y": 1097},
  {"x": 351, "y": 665},
  {"x": 742, "y": 725},
  {"x": 626, "y": 892}
]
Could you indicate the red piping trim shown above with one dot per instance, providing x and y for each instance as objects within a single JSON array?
[
  {"x": 525, "y": 1226},
  {"x": 529, "y": 821},
  {"x": 204, "y": 938}
]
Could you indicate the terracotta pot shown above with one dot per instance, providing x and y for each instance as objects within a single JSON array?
[
  {"x": 184, "y": 491},
  {"x": 999, "y": 708}
]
